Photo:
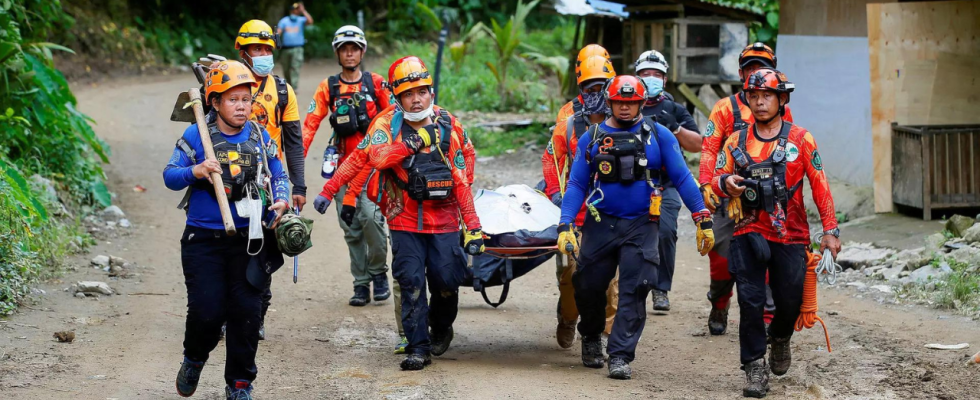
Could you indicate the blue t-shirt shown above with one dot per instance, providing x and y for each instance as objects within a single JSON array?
[
  {"x": 292, "y": 30},
  {"x": 629, "y": 200},
  {"x": 203, "y": 211}
]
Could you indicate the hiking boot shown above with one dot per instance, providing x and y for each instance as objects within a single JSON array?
[
  {"x": 362, "y": 296},
  {"x": 780, "y": 355},
  {"x": 619, "y": 368},
  {"x": 718, "y": 321},
  {"x": 415, "y": 362},
  {"x": 401, "y": 346},
  {"x": 756, "y": 379},
  {"x": 660, "y": 300},
  {"x": 381, "y": 291},
  {"x": 565, "y": 333},
  {"x": 441, "y": 340},
  {"x": 188, "y": 376},
  {"x": 592, "y": 352},
  {"x": 242, "y": 390}
]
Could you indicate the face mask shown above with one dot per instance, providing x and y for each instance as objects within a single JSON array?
[
  {"x": 654, "y": 85},
  {"x": 594, "y": 103},
  {"x": 293, "y": 18},
  {"x": 262, "y": 65},
  {"x": 416, "y": 117}
]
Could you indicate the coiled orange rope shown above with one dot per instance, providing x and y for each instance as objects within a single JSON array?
[{"x": 808, "y": 311}]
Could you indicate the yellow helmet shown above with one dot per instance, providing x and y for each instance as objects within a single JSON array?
[
  {"x": 255, "y": 32},
  {"x": 589, "y": 51},
  {"x": 595, "y": 67},
  {"x": 225, "y": 75},
  {"x": 408, "y": 73}
]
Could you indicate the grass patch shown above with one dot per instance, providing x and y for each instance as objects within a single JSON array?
[
  {"x": 959, "y": 290},
  {"x": 495, "y": 142}
]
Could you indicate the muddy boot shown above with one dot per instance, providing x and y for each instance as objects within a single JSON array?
[
  {"x": 188, "y": 376},
  {"x": 565, "y": 332},
  {"x": 415, "y": 362},
  {"x": 660, "y": 300},
  {"x": 619, "y": 369},
  {"x": 381, "y": 291},
  {"x": 242, "y": 390},
  {"x": 362, "y": 296},
  {"x": 441, "y": 341},
  {"x": 718, "y": 321},
  {"x": 756, "y": 379},
  {"x": 592, "y": 352},
  {"x": 780, "y": 355}
]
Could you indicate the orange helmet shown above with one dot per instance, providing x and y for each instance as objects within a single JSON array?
[
  {"x": 757, "y": 51},
  {"x": 255, "y": 32},
  {"x": 625, "y": 88},
  {"x": 408, "y": 73},
  {"x": 225, "y": 75},
  {"x": 589, "y": 51},
  {"x": 595, "y": 67},
  {"x": 769, "y": 79}
]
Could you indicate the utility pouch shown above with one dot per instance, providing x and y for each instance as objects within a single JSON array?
[
  {"x": 346, "y": 120},
  {"x": 429, "y": 180},
  {"x": 607, "y": 167},
  {"x": 751, "y": 197}
]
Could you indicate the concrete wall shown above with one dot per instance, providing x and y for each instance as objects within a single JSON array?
[{"x": 832, "y": 100}]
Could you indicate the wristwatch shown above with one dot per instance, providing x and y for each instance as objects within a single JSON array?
[{"x": 834, "y": 232}]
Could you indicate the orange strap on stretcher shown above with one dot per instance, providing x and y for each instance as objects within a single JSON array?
[{"x": 808, "y": 311}]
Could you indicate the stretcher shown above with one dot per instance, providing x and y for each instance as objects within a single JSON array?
[{"x": 499, "y": 266}]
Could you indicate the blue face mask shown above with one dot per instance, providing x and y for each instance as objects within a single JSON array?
[
  {"x": 654, "y": 85},
  {"x": 262, "y": 65},
  {"x": 293, "y": 18}
]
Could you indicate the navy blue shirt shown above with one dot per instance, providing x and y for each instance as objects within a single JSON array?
[{"x": 629, "y": 200}]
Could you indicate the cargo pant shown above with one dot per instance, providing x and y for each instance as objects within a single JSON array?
[
  {"x": 292, "y": 61},
  {"x": 567, "y": 310},
  {"x": 367, "y": 239},
  {"x": 720, "y": 289},
  {"x": 669, "y": 208}
]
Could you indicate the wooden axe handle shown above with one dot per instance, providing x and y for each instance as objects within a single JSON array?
[{"x": 219, "y": 186}]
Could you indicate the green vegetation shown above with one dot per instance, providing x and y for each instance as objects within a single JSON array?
[
  {"x": 762, "y": 32},
  {"x": 959, "y": 290},
  {"x": 41, "y": 133},
  {"x": 496, "y": 142}
]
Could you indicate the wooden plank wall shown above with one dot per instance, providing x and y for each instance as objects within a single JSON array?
[
  {"x": 901, "y": 33},
  {"x": 825, "y": 17}
]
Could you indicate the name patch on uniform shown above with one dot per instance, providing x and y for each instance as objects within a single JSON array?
[
  {"x": 710, "y": 129},
  {"x": 722, "y": 160},
  {"x": 816, "y": 161},
  {"x": 243, "y": 159},
  {"x": 380, "y": 137},
  {"x": 458, "y": 160},
  {"x": 343, "y": 119},
  {"x": 762, "y": 173},
  {"x": 312, "y": 106},
  {"x": 792, "y": 152}
]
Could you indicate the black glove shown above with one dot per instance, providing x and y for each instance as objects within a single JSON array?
[
  {"x": 425, "y": 137},
  {"x": 668, "y": 120},
  {"x": 556, "y": 199},
  {"x": 347, "y": 214}
]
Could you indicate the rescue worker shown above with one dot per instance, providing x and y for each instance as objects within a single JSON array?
[
  {"x": 617, "y": 172},
  {"x": 651, "y": 67},
  {"x": 352, "y": 99},
  {"x": 556, "y": 164},
  {"x": 223, "y": 274},
  {"x": 423, "y": 188},
  {"x": 290, "y": 31},
  {"x": 729, "y": 115},
  {"x": 761, "y": 171},
  {"x": 274, "y": 107}
]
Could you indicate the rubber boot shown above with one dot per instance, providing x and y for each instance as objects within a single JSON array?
[
  {"x": 756, "y": 379},
  {"x": 362, "y": 296},
  {"x": 780, "y": 355},
  {"x": 381, "y": 291},
  {"x": 660, "y": 300},
  {"x": 441, "y": 341},
  {"x": 565, "y": 332},
  {"x": 619, "y": 369},
  {"x": 718, "y": 321},
  {"x": 416, "y": 362},
  {"x": 188, "y": 376},
  {"x": 592, "y": 352}
]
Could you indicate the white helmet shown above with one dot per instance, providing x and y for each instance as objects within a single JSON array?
[
  {"x": 349, "y": 33},
  {"x": 651, "y": 59}
]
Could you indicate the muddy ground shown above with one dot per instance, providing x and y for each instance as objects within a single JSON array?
[{"x": 128, "y": 346}]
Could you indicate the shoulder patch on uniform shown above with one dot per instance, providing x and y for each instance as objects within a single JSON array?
[
  {"x": 816, "y": 161},
  {"x": 722, "y": 160},
  {"x": 710, "y": 129},
  {"x": 364, "y": 143},
  {"x": 380, "y": 137},
  {"x": 551, "y": 148},
  {"x": 458, "y": 160},
  {"x": 792, "y": 152},
  {"x": 312, "y": 106}
]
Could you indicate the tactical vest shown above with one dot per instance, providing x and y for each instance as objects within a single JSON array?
[
  {"x": 281, "y": 92},
  {"x": 349, "y": 113},
  {"x": 429, "y": 174},
  {"x": 737, "y": 123},
  {"x": 765, "y": 182},
  {"x": 240, "y": 163},
  {"x": 622, "y": 156}
]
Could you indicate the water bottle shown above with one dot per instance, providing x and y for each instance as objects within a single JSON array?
[{"x": 330, "y": 158}]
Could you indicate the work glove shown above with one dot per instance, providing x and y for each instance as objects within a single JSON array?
[
  {"x": 567, "y": 241},
  {"x": 347, "y": 214},
  {"x": 556, "y": 199},
  {"x": 473, "y": 242},
  {"x": 711, "y": 200},
  {"x": 668, "y": 120},
  {"x": 321, "y": 203},
  {"x": 423, "y": 138},
  {"x": 705, "y": 235},
  {"x": 735, "y": 209}
]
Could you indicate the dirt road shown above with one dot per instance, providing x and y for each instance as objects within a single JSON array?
[{"x": 129, "y": 346}]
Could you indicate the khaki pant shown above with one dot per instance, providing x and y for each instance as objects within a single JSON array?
[
  {"x": 292, "y": 61},
  {"x": 367, "y": 239},
  {"x": 567, "y": 309}
]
